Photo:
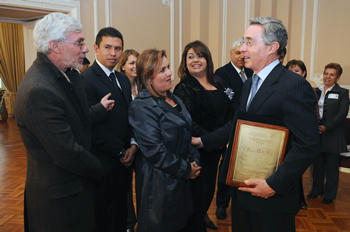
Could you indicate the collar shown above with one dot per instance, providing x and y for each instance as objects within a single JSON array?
[
  {"x": 329, "y": 89},
  {"x": 237, "y": 69},
  {"x": 266, "y": 71},
  {"x": 105, "y": 70}
]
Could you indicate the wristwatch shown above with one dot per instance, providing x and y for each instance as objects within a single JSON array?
[{"x": 121, "y": 153}]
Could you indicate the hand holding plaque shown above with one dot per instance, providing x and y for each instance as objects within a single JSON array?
[{"x": 257, "y": 151}]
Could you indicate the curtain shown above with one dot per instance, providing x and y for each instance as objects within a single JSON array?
[{"x": 12, "y": 63}]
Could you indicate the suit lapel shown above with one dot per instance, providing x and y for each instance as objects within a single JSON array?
[
  {"x": 265, "y": 90},
  {"x": 235, "y": 78},
  {"x": 79, "y": 92},
  {"x": 171, "y": 109},
  {"x": 105, "y": 80},
  {"x": 124, "y": 84},
  {"x": 245, "y": 94}
]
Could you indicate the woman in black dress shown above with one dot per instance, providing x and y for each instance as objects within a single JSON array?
[{"x": 209, "y": 107}]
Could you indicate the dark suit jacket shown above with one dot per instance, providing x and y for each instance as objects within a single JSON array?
[
  {"x": 231, "y": 79},
  {"x": 54, "y": 121},
  {"x": 113, "y": 134},
  {"x": 287, "y": 97},
  {"x": 335, "y": 111}
]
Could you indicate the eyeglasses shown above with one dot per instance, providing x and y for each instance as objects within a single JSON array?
[
  {"x": 248, "y": 43},
  {"x": 80, "y": 44}
]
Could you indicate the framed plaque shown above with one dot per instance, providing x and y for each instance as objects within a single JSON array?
[{"x": 256, "y": 149}]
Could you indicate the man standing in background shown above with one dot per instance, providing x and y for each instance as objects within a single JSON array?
[
  {"x": 111, "y": 139},
  {"x": 233, "y": 75}
]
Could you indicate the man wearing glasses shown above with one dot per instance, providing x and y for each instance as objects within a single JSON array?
[
  {"x": 270, "y": 205},
  {"x": 54, "y": 120},
  {"x": 112, "y": 140}
]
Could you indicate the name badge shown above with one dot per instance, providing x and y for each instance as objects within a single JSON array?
[{"x": 333, "y": 96}]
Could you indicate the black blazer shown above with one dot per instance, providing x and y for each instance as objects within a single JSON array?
[
  {"x": 287, "y": 97},
  {"x": 55, "y": 125},
  {"x": 110, "y": 136},
  {"x": 335, "y": 110},
  {"x": 231, "y": 79}
]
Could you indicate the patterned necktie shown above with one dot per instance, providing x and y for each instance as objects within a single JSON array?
[
  {"x": 242, "y": 76},
  {"x": 254, "y": 88}
]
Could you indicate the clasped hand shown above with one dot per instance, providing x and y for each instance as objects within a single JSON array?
[
  {"x": 129, "y": 156},
  {"x": 195, "y": 170}
]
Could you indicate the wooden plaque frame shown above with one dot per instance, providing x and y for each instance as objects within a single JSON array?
[{"x": 274, "y": 157}]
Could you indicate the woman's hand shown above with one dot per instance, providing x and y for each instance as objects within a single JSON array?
[
  {"x": 195, "y": 170},
  {"x": 322, "y": 129},
  {"x": 129, "y": 156},
  {"x": 196, "y": 141}
]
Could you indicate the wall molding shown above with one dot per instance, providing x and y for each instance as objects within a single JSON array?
[
  {"x": 170, "y": 3},
  {"x": 314, "y": 76},
  {"x": 303, "y": 26},
  {"x": 108, "y": 12},
  {"x": 95, "y": 17},
  {"x": 180, "y": 31},
  {"x": 224, "y": 31},
  {"x": 247, "y": 13}
]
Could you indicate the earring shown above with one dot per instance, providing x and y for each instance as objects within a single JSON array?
[{"x": 123, "y": 69}]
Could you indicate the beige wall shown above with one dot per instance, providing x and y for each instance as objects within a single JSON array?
[{"x": 318, "y": 29}]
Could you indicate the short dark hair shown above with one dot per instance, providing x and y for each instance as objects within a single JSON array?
[
  {"x": 200, "y": 48},
  {"x": 300, "y": 63},
  {"x": 335, "y": 66},
  {"x": 108, "y": 31},
  {"x": 86, "y": 61}
]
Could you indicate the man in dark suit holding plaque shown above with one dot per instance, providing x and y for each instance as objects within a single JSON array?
[{"x": 273, "y": 92}]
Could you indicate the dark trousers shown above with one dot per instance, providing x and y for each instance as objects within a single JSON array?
[
  {"x": 203, "y": 189},
  {"x": 326, "y": 163},
  {"x": 222, "y": 194},
  {"x": 247, "y": 221},
  {"x": 110, "y": 201}
]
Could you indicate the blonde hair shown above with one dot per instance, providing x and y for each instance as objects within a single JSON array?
[{"x": 124, "y": 57}]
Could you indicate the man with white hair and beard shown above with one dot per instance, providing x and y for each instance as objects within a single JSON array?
[{"x": 54, "y": 120}]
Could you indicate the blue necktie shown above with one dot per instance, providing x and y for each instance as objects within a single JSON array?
[{"x": 254, "y": 87}]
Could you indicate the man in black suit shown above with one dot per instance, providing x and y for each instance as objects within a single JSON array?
[
  {"x": 271, "y": 204},
  {"x": 112, "y": 139},
  {"x": 233, "y": 76}
]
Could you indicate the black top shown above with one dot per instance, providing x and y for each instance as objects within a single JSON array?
[
  {"x": 219, "y": 101},
  {"x": 209, "y": 109}
]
